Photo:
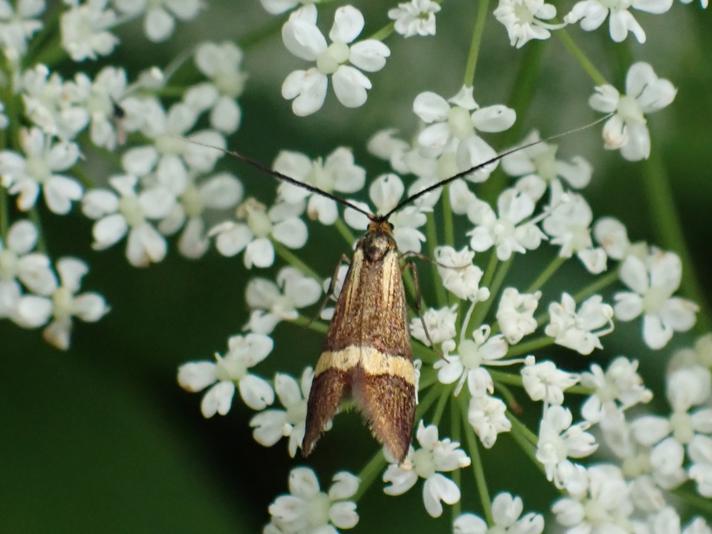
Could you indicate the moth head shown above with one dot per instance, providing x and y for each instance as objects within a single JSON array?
[{"x": 378, "y": 239}]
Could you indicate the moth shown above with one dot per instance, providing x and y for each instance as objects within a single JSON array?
[{"x": 367, "y": 354}]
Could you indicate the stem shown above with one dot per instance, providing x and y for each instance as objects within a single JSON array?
[
  {"x": 522, "y": 429},
  {"x": 259, "y": 35},
  {"x": 481, "y": 312},
  {"x": 694, "y": 500},
  {"x": 448, "y": 227},
  {"x": 456, "y": 433},
  {"x": 432, "y": 239},
  {"x": 509, "y": 397},
  {"x": 440, "y": 408},
  {"x": 600, "y": 283},
  {"x": 527, "y": 448},
  {"x": 369, "y": 473},
  {"x": 311, "y": 324},
  {"x": 547, "y": 273},
  {"x": 581, "y": 57},
  {"x": 529, "y": 346},
  {"x": 4, "y": 210},
  {"x": 424, "y": 352},
  {"x": 473, "y": 54},
  {"x": 477, "y": 468},
  {"x": 425, "y": 404},
  {"x": 292, "y": 259},
  {"x": 516, "y": 380},
  {"x": 668, "y": 228},
  {"x": 384, "y": 32},
  {"x": 345, "y": 232},
  {"x": 41, "y": 242}
]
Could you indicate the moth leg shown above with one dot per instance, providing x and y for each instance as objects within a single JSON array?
[
  {"x": 418, "y": 305},
  {"x": 332, "y": 286},
  {"x": 423, "y": 257}
]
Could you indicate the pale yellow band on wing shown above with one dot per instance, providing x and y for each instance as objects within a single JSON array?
[{"x": 373, "y": 361}]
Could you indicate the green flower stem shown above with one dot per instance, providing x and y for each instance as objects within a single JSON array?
[
  {"x": 424, "y": 352},
  {"x": 477, "y": 467},
  {"x": 426, "y": 402},
  {"x": 581, "y": 57},
  {"x": 440, "y": 408},
  {"x": 484, "y": 307},
  {"x": 383, "y": 33},
  {"x": 599, "y": 284},
  {"x": 345, "y": 232},
  {"x": 369, "y": 473},
  {"x": 692, "y": 499},
  {"x": 260, "y": 35},
  {"x": 311, "y": 324},
  {"x": 668, "y": 228},
  {"x": 428, "y": 377},
  {"x": 293, "y": 260},
  {"x": 522, "y": 429},
  {"x": 546, "y": 274},
  {"x": 529, "y": 346},
  {"x": 508, "y": 396},
  {"x": 456, "y": 435},
  {"x": 526, "y": 447},
  {"x": 41, "y": 242},
  {"x": 4, "y": 208},
  {"x": 478, "y": 30},
  {"x": 87, "y": 182},
  {"x": 448, "y": 226},
  {"x": 432, "y": 239},
  {"x": 520, "y": 99},
  {"x": 516, "y": 380}
]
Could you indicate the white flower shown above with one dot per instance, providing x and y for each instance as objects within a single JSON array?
[
  {"x": 627, "y": 130},
  {"x": 543, "y": 381},
  {"x": 40, "y": 168},
  {"x": 439, "y": 323},
  {"x": 507, "y": 230},
  {"x": 18, "y": 24},
  {"x": 228, "y": 371},
  {"x": 307, "y": 88},
  {"x": 506, "y": 512},
  {"x": 307, "y": 510},
  {"x": 569, "y": 226},
  {"x": 598, "y": 501},
  {"x": 100, "y": 98},
  {"x": 459, "y": 275},
  {"x": 222, "y": 64},
  {"x": 277, "y": 7},
  {"x": 653, "y": 280},
  {"x": 271, "y": 303},
  {"x": 254, "y": 236},
  {"x": 131, "y": 212},
  {"x": 172, "y": 155},
  {"x": 63, "y": 305},
  {"x": 337, "y": 172},
  {"x": 160, "y": 14},
  {"x": 613, "y": 237},
  {"x": 219, "y": 192},
  {"x": 488, "y": 418},
  {"x": 51, "y": 104},
  {"x": 538, "y": 167},
  {"x": 86, "y": 29},
  {"x": 19, "y": 264},
  {"x": 684, "y": 429},
  {"x": 416, "y": 17},
  {"x": 515, "y": 314},
  {"x": 385, "y": 192},
  {"x": 580, "y": 330},
  {"x": 619, "y": 388},
  {"x": 271, "y": 425},
  {"x": 592, "y": 14},
  {"x": 525, "y": 20},
  {"x": 433, "y": 456},
  {"x": 559, "y": 440},
  {"x": 467, "y": 364},
  {"x": 451, "y": 131}
]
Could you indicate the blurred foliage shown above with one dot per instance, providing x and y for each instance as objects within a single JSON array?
[{"x": 101, "y": 439}]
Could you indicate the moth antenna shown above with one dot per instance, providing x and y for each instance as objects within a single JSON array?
[
  {"x": 282, "y": 177},
  {"x": 403, "y": 203}
]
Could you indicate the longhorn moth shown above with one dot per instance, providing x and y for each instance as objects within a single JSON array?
[{"x": 367, "y": 352}]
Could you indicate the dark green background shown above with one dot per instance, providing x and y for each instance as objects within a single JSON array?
[{"x": 101, "y": 439}]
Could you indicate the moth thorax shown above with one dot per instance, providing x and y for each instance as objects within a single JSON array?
[{"x": 378, "y": 240}]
